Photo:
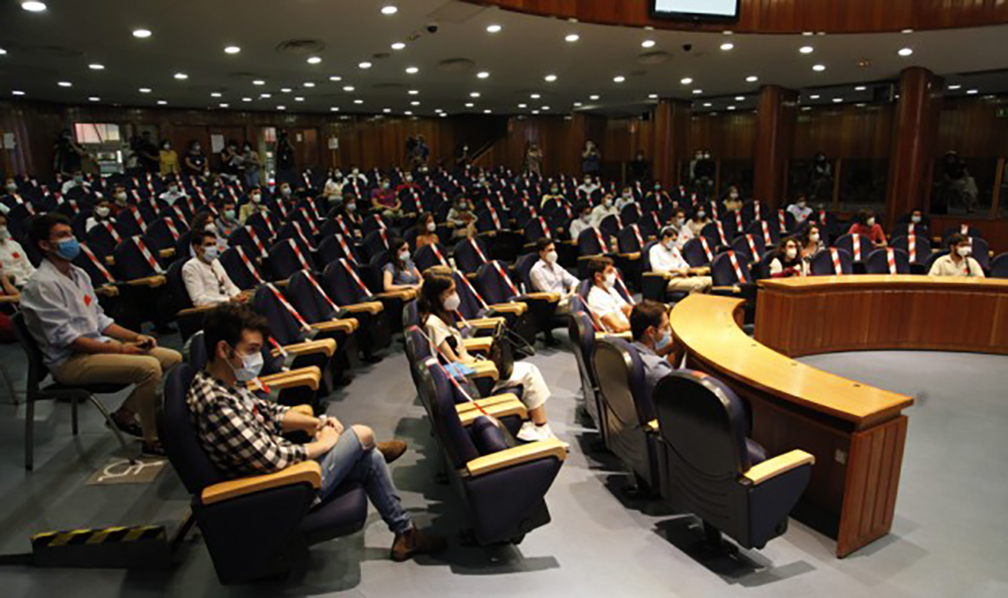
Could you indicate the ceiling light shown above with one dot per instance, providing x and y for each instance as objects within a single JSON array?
[
  {"x": 954, "y": 87},
  {"x": 281, "y": 107},
  {"x": 358, "y": 102},
  {"x": 819, "y": 68},
  {"x": 398, "y": 46},
  {"x": 522, "y": 106},
  {"x": 309, "y": 84},
  {"x": 973, "y": 92},
  {"x": 65, "y": 84},
  {"x": 223, "y": 105},
  {"x": 335, "y": 78},
  {"x": 408, "y": 113},
  {"x": 648, "y": 43},
  {"x": 144, "y": 90},
  {"x": 94, "y": 99},
  {"x": 33, "y": 6},
  {"x": 686, "y": 81},
  {"x": 653, "y": 96},
  {"x": 364, "y": 65},
  {"x": 697, "y": 92},
  {"x": 482, "y": 75},
  {"x": 333, "y": 108},
  {"x": 468, "y": 104},
  {"x": 314, "y": 60},
  {"x": 215, "y": 94},
  {"x": 232, "y": 50},
  {"x": 905, "y": 52},
  {"x": 814, "y": 96},
  {"x": 727, "y": 46},
  {"x": 487, "y": 111},
  {"x": 619, "y": 79},
  {"x": 474, "y": 94},
  {"x": 413, "y": 92},
  {"x": 96, "y": 67},
  {"x": 578, "y": 104},
  {"x": 348, "y": 88},
  {"x": 386, "y": 110},
  {"x": 837, "y": 100},
  {"x": 550, "y": 78},
  {"x": 907, "y": 31},
  {"x": 739, "y": 98},
  {"x": 2, "y": 51},
  {"x": 246, "y": 99},
  {"x": 752, "y": 79},
  {"x": 806, "y": 49},
  {"x": 860, "y": 88},
  {"x": 545, "y": 108},
  {"x": 285, "y": 90},
  {"x": 17, "y": 92},
  {"x": 572, "y": 37},
  {"x": 162, "y": 102},
  {"x": 142, "y": 33},
  {"x": 258, "y": 82},
  {"x": 535, "y": 112},
  {"x": 181, "y": 76},
  {"x": 731, "y": 107},
  {"x": 534, "y": 96},
  {"x": 438, "y": 111},
  {"x": 299, "y": 99},
  {"x": 389, "y": 10},
  {"x": 415, "y": 103},
  {"x": 412, "y": 70},
  {"x": 265, "y": 96},
  {"x": 707, "y": 105},
  {"x": 494, "y": 28},
  {"x": 594, "y": 98}
]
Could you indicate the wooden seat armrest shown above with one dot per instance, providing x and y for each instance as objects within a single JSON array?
[
  {"x": 550, "y": 297},
  {"x": 481, "y": 344},
  {"x": 281, "y": 284},
  {"x": 516, "y": 308},
  {"x": 166, "y": 253},
  {"x": 627, "y": 336},
  {"x": 486, "y": 323},
  {"x": 665, "y": 275},
  {"x": 371, "y": 307},
  {"x": 509, "y": 409},
  {"x": 346, "y": 326},
  {"x": 652, "y": 425},
  {"x": 306, "y": 472},
  {"x": 310, "y": 377},
  {"x": 501, "y": 399},
  {"x": 701, "y": 271},
  {"x": 630, "y": 256},
  {"x": 326, "y": 345},
  {"x": 303, "y": 410},
  {"x": 9, "y": 299},
  {"x": 109, "y": 260},
  {"x": 533, "y": 451},
  {"x": 192, "y": 311},
  {"x": 484, "y": 369},
  {"x": 403, "y": 294},
  {"x": 780, "y": 464},
  {"x": 725, "y": 291},
  {"x": 150, "y": 281}
]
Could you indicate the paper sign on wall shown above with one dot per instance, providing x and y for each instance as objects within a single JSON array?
[
  {"x": 8, "y": 141},
  {"x": 334, "y": 143},
  {"x": 299, "y": 137},
  {"x": 216, "y": 143}
]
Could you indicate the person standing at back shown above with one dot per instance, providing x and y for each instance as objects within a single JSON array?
[
  {"x": 168, "y": 159},
  {"x": 195, "y": 161},
  {"x": 959, "y": 261}
]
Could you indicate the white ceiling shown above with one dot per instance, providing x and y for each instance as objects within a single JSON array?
[{"x": 189, "y": 36}]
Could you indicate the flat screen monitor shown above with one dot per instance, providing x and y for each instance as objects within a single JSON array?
[{"x": 720, "y": 10}]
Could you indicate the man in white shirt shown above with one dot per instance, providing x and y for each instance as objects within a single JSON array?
[
  {"x": 958, "y": 261},
  {"x": 205, "y": 279},
  {"x": 625, "y": 199},
  {"x": 582, "y": 223},
  {"x": 665, "y": 257},
  {"x": 172, "y": 195},
  {"x": 550, "y": 277},
  {"x": 13, "y": 258},
  {"x": 587, "y": 187},
  {"x": 679, "y": 222},
  {"x": 605, "y": 303},
  {"x": 800, "y": 210},
  {"x": 606, "y": 208}
]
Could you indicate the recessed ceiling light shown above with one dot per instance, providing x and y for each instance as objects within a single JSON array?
[
  {"x": 144, "y": 90},
  {"x": 814, "y": 96},
  {"x": 707, "y": 105},
  {"x": 309, "y": 84},
  {"x": 246, "y": 99},
  {"x": 181, "y": 76},
  {"x": 686, "y": 81},
  {"x": 33, "y": 6},
  {"x": 281, "y": 107},
  {"x": 438, "y": 110},
  {"x": 697, "y": 92},
  {"x": 535, "y": 112},
  {"x": 414, "y": 92},
  {"x": 474, "y": 94},
  {"x": 550, "y": 78},
  {"x": 619, "y": 79},
  {"x": 232, "y": 50},
  {"x": 408, "y": 113},
  {"x": 286, "y": 90},
  {"x": 731, "y": 107},
  {"x": 415, "y": 103},
  {"x": 905, "y": 52},
  {"x": 348, "y": 88},
  {"x": 2, "y": 51},
  {"x": 739, "y": 98},
  {"x": 578, "y": 104},
  {"x": 837, "y": 100},
  {"x": 594, "y": 98},
  {"x": 398, "y": 46},
  {"x": 258, "y": 82},
  {"x": 358, "y": 102},
  {"x": 487, "y": 111},
  {"x": 335, "y": 78},
  {"x": 142, "y": 33},
  {"x": 534, "y": 96},
  {"x": 860, "y": 88},
  {"x": 648, "y": 43},
  {"x": 482, "y": 75},
  {"x": 494, "y": 28},
  {"x": 265, "y": 96},
  {"x": 162, "y": 102},
  {"x": 389, "y": 10},
  {"x": 545, "y": 108},
  {"x": 468, "y": 104},
  {"x": 299, "y": 99},
  {"x": 572, "y": 37},
  {"x": 94, "y": 66},
  {"x": 215, "y": 94},
  {"x": 223, "y": 104},
  {"x": 314, "y": 60},
  {"x": 333, "y": 108},
  {"x": 65, "y": 84},
  {"x": 954, "y": 87},
  {"x": 17, "y": 92},
  {"x": 522, "y": 106},
  {"x": 806, "y": 49},
  {"x": 387, "y": 110},
  {"x": 94, "y": 99},
  {"x": 907, "y": 31},
  {"x": 653, "y": 96},
  {"x": 819, "y": 68},
  {"x": 727, "y": 46},
  {"x": 364, "y": 65},
  {"x": 752, "y": 79},
  {"x": 412, "y": 70},
  {"x": 973, "y": 92}
]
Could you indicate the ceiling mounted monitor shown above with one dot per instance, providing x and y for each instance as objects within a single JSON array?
[{"x": 696, "y": 10}]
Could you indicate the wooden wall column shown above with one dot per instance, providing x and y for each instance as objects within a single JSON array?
[
  {"x": 915, "y": 132},
  {"x": 670, "y": 140},
  {"x": 776, "y": 120}
]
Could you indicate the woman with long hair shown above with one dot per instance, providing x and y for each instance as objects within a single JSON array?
[
  {"x": 787, "y": 260},
  {"x": 399, "y": 272}
]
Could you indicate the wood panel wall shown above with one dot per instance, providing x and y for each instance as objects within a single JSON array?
[
  {"x": 845, "y": 131},
  {"x": 973, "y": 128},
  {"x": 728, "y": 135},
  {"x": 784, "y": 16}
]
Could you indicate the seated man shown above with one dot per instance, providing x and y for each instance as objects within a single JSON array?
[
  {"x": 800, "y": 210},
  {"x": 550, "y": 277},
  {"x": 958, "y": 262},
  {"x": 205, "y": 280},
  {"x": 79, "y": 343},
  {"x": 243, "y": 435},
  {"x": 665, "y": 257},
  {"x": 649, "y": 323},
  {"x": 582, "y": 223},
  {"x": 605, "y": 208},
  {"x": 605, "y": 303}
]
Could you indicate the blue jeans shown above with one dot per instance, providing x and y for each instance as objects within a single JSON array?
[{"x": 349, "y": 461}]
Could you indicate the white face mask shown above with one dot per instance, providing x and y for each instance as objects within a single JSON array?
[
  {"x": 256, "y": 197},
  {"x": 431, "y": 227},
  {"x": 404, "y": 255},
  {"x": 120, "y": 198},
  {"x": 871, "y": 221},
  {"x": 915, "y": 219},
  {"x": 250, "y": 368},
  {"x": 351, "y": 208},
  {"x": 551, "y": 257},
  {"x": 680, "y": 222},
  {"x": 791, "y": 253},
  {"x": 211, "y": 228},
  {"x": 610, "y": 280},
  {"x": 701, "y": 214},
  {"x": 964, "y": 251},
  {"x": 670, "y": 244},
  {"x": 11, "y": 188},
  {"x": 585, "y": 218},
  {"x": 452, "y": 302},
  {"x": 102, "y": 212},
  {"x": 814, "y": 238},
  {"x": 733, "y": 195},
  {"x": 801, "y": 205},
  {"x": 607, "y": 203}
]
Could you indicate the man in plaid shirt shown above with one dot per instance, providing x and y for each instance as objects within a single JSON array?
[{"x": 243, "y": 435}]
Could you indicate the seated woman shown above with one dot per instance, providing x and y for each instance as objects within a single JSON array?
[
  {"x": 400, "y": 273},
  {"x": 867, "y": 226},
  {"x": 697, "y": 222},
  {"x": 437, "y": 305},
  {"x": 811, "y": 242},
  {"x": 733, "y": 201},
  {"x": 462, "y": 218},
  {"x": 426, "y": 230},
  {"x": 385, "y": 202},
  {"x": 787, "y": 260},
  {"x": 102, "y": 215}
]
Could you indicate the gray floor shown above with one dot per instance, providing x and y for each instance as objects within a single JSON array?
[{"x": 949, "y": 536}]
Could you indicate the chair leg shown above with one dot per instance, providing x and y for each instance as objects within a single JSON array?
[
  {"x": 29, "y": 432},
  {"x": 115, "y": 429},
  {"x": 9, "y": 384},
  {"x": 73, "y": 415}
]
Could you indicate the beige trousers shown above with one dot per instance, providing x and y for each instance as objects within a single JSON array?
[{"x": 692, "y": 284}]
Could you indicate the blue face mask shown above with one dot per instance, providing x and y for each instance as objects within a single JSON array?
[
  {"x": 68, "y": 249},
  {"x": 211, "y": 253},
  {"x": 250, "y": 368},
  {"x": 664, "y": 341}
]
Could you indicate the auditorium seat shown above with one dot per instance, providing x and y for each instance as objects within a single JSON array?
[
  {"x": 712, "y": 470},
  {"x": 309, "y": 297},
  {"x": 999, "y": 266},
  {"x": 582, "y": 335},
  {"x": 429, "y": 256},
  {"x": 286, "y": 257},
  {"x": 888, "y": 261},
  {"x": 824, "y": 262},
  {"x": 698, "y": 252},
  {"x": 497, "y": 287},
  {"x": 917, "y": 247}
]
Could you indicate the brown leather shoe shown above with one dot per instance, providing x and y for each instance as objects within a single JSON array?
[
  {"x": 391, "y": 450},
  {"x": 414, "y": 542}
]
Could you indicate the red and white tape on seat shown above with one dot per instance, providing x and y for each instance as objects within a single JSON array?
[
  {"x": 248, "y": 263},
  {"x": 147, "y": 255},
  {"x": 857, "y": 247},
  {"x": 706, "y": 248},
  {"x": 356, "y": 278},
  {"x": 297, "y": 251},
  {"x": 321, "y": 292},
  {"x": 255, "y": 239},
  {"x": 505, "y": 278},
  {"x": 767, "y": 239},
  {"x": 752, "y": 246},
  {"x": 738, "y": 269},
  {"x": 837, "y": 267},
  {"x": 891, "y": 256},
  {"x": 912, "y": 247},
  {"x": 97, "y": 263},
  {"x": 290, "y": 308}
]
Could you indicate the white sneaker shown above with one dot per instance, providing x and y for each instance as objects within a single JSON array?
[
  {"x": 544, "y": 432},
  {"x": 528, "y": 432}
]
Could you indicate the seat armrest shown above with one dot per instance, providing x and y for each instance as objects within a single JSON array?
[
  {"x": 303, "y": 410},
  {"x": 630, "y": 256},
  {"x": 652, "y": 426},
  {"x": 166, "y": 253},
  {"x": 326, "y": 345},
  {"x": 481, "y": 344},
  {"x": 107, "y": 290},
  {"x": 497, "y": 406},
  {"x": 371, "y": 307},
  {"x": 486, "y": 323},
  {"x": 780, "y": 464},
  {"x": 306, "y": 472},
  {"x": 346, "y": 326},
  {"x": 281, "y": 284},
  {"x": 9, "y": 299},
  {"x": 150, "y": 281},
  {"x": 550, "y": 297},
  {"x": 627, "y": 336},
  {"x": 192, "y": 311},
  {"x": 701, "y": 271},
  {"x": 302, "y": 377},
  {"x": 403, "y": 294},
  {"x": 665, "y": 275},
  {"x": 533, "y": 451},
  {"x": 109, "y": 260},
  {"x": 517, "y": 308},
  {"x": 725, "y": 291},
  {"x": 484, "y": 369}
]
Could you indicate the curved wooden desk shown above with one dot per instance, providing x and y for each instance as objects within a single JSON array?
[{"x": 855, "y": 431}]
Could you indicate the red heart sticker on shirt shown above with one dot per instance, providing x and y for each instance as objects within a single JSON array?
[
  {"x": 16, "y": 255},
  {"x": 87, "y": 300}
]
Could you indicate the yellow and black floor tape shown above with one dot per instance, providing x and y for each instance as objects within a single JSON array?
[{"x": 108, "y": 535}]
